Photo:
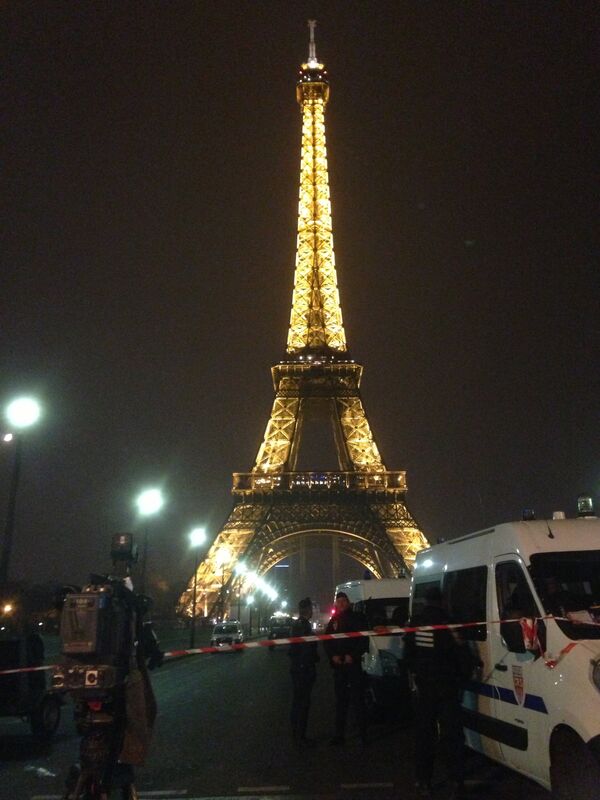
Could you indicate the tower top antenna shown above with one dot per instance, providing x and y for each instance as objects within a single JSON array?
[{"x": 312, "y": 50}]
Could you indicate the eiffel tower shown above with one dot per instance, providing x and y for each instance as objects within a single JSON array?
[{"x": 361, "y": 507}]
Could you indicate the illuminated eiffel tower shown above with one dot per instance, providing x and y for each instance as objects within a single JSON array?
[{"x": 361, "y": 507}]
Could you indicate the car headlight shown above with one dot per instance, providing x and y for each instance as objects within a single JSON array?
[{"x": 596, "y": 673}]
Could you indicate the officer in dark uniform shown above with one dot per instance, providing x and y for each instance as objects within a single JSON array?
[
  {"x": 438, "y": 660},
  {"x": 345, "y": 656},
  {"x": 303, "y": 671}
]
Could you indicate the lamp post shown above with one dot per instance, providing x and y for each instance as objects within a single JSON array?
[
  {"x": 240, "y": 570},
  {"x": 222, "y": 558},
  {"x": 250, "y": 603},
  {"x": 149, "y": 502},
  {"x": 21, "y": 413},
  {"x": 197, "y": 539}
]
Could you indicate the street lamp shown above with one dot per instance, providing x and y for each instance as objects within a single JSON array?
[
  {"x": 197, "y": 539},
  {"x": 148, "y": 502},
  {"x": 21, "y": 413},
  {"x": 250, "y": 604},
  {"x": 241, "y": 570}
]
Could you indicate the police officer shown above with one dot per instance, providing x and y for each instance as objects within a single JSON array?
[
  {"x": 303, "y": 671},
  {"x": 438, "y": 661},
  {"x": 345, "y": 657}
]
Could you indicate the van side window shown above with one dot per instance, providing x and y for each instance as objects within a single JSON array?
[
  {"x": 418, "y": 599},
  {"x": 514, "y": 595},
  {"x": 385, "y": 611},
  {"x": 464, "y": 595}
]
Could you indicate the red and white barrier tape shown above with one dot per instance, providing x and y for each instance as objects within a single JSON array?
[
  {"x": 380, "y": 631},
  {"x": 26, "y": 669},
  {"x": 551, "y": 663}
]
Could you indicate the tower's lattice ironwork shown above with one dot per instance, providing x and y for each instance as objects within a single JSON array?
[{"x": 363, "y": 504}]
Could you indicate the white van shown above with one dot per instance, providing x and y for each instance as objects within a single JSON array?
[
  {"x": 383, "y": 602},
  {"x": 535, "y": 705},
  {"x": 227, "y": 633}
]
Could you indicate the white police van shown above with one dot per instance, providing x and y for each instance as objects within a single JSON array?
[
  {"x": 383, "y": 602},
  {"x": 535, "y": 704}
]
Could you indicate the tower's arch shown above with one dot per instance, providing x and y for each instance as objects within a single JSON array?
[{"x": 356, "y": 546}]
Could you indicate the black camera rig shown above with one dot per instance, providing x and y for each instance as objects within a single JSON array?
[
  {"x": 103, "y": 640},
  {"x": 98, "y": 628}
]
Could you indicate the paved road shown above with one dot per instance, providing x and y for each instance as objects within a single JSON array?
[{"x": 222, "y": 732}]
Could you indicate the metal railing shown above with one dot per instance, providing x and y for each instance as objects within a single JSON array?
[{"x": 244, "y": 482}]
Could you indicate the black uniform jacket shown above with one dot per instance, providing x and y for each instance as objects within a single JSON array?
[
  {"x": 303, "y": 656},
  {"x": 433, "y": 655},
  {"x": 346, "y": 622}
]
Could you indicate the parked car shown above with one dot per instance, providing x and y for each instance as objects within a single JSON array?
[
  {"x": 27, "y": 694},
  {"x": 227, "y": 633},
  {"x": 280, "y": 627}
]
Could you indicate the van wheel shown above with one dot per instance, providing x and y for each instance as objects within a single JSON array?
[
  {"x": 46, "y": 718},
  {"x": 574, "y": 772}
]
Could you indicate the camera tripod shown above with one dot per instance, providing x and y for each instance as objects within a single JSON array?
[{"x": 99, "y": 775}]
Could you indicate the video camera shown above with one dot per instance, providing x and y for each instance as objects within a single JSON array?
[
  {"x": 103, "y": 641},
  {"x": 102, "y": 631}
]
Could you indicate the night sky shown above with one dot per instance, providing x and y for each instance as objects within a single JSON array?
[{"x": 152, "y": 163}]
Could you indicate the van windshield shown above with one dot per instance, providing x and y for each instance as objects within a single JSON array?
[
  {"x": 386, "y": 611},
  {"x": 226, "y": 629},
  {"x": 569, "y": 586}
]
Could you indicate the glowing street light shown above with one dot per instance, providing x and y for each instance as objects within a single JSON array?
[
  {"x": 20, "y": 414},
  {"x": 251, "y": 578},
  {"x": 23, "y": 412},
  {"x": 197, "y": 539},
  {"x": 149, "y": 502},
  {"x": 223, "y": 556}
]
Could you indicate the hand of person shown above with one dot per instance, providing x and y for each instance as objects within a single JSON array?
[
  {"x": 336, "y": 660},
  {"x": 347, "y": 659}
]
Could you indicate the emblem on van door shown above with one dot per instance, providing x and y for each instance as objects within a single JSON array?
[{"x": 517, "y": 673}]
